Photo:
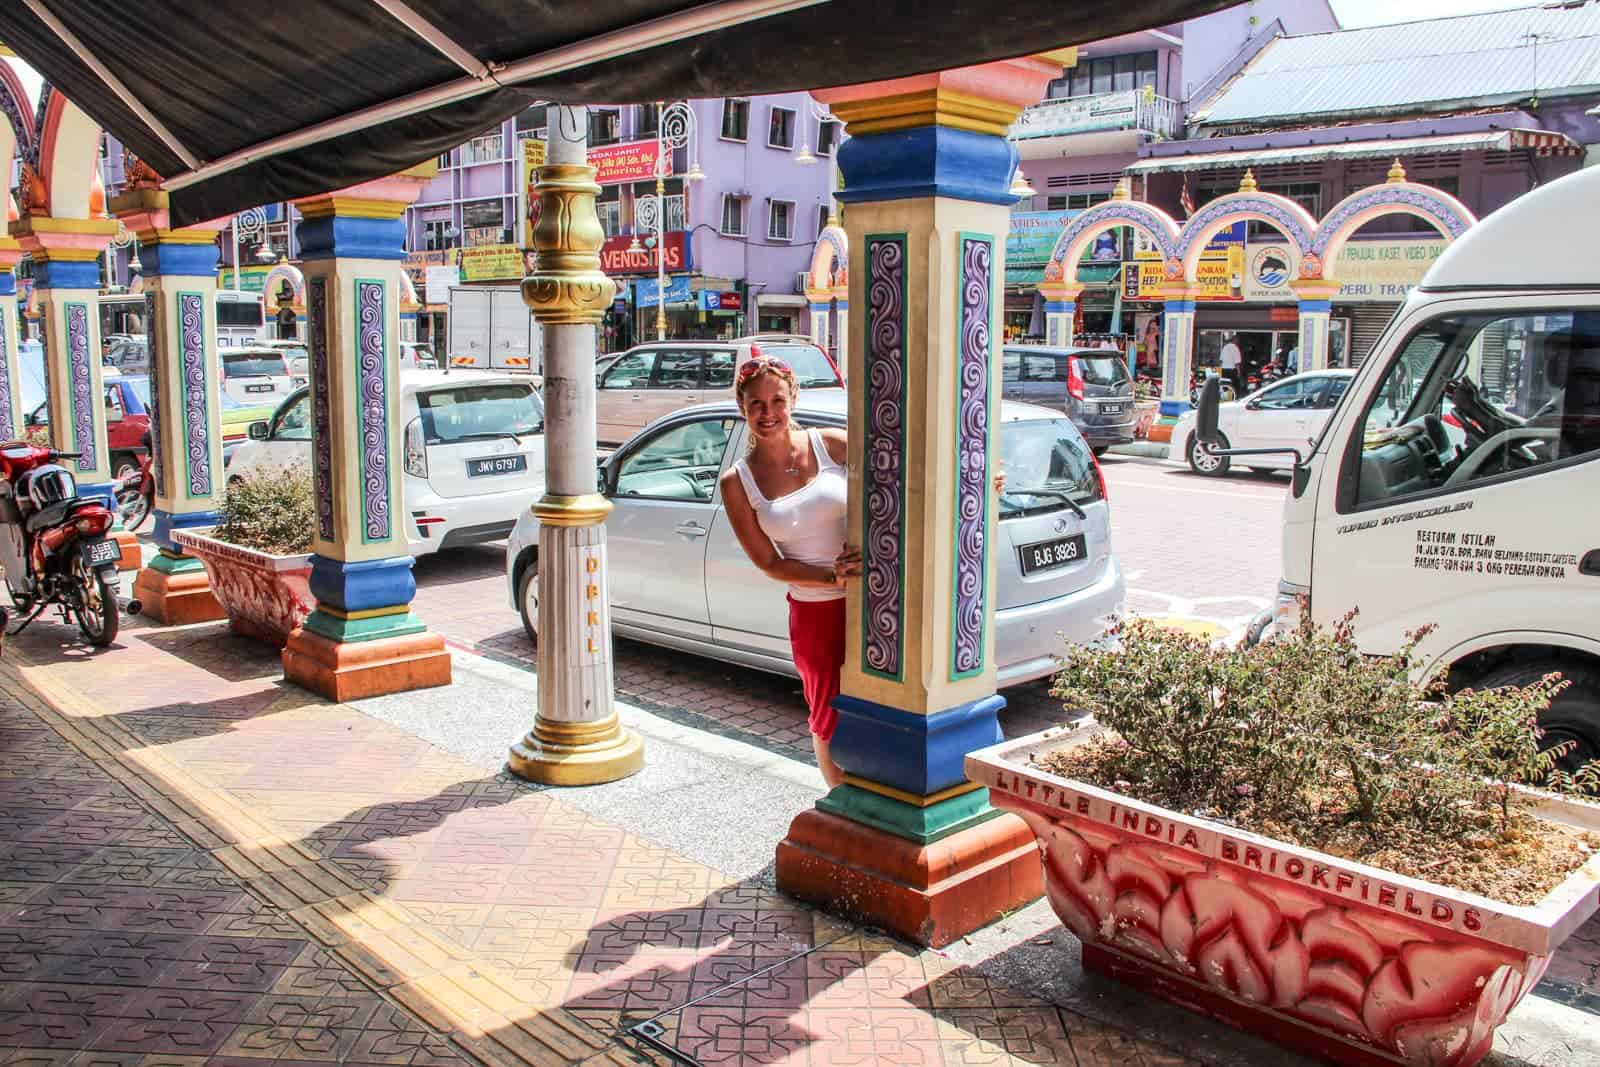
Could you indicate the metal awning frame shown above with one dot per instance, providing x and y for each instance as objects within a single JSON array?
[{"x": 1544, "y": 141}]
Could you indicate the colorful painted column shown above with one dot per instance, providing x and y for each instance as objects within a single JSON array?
[
  {"x": 362, "y": 639},
  {"x": 906, "y": 842},
  {"x": 1177, "y": 350},
  {"x": 11, "y": 413},
  {"x": 66, "y": 272},
  {"x": 576, "y": 737},
  {"x": 1060, "y": 311},
  {"x": 1316, "y": 305},
  {"x": 841, "y": 312},
  {"x": 180, "y": 287},
  {"x": 821, "y": 308}
]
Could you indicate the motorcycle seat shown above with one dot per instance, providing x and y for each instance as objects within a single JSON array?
[{"x": 56, "y": 513}]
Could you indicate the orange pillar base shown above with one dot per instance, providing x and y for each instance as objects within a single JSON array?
[
  {"x": 177, "y": 599},
  {"x": 355, "y": 669},
  {"x": 132, "y": 559},
  {"x": 929, "y": 894}
]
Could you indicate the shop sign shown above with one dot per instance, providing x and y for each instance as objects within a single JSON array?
[
  {"x": 491, "y": 263},
  {"x": 616, "y": 259},
  {"x": 646, "y": 293},
  {"x": 1218, "y": 276},
  {"x": 439, "y": 281},
  {"x": 1369, "y": 272},
  {"x": 1221, "y": 241},
  {"x": 1032, "y": 235},
  {"x": 1084, "y": 114},
  {"x": 711, "y": 300},
  {"x": 250, "y": 279},
  {"x": 631, "y": 161}
]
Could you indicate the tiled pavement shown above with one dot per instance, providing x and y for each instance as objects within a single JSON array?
[{"x": 250, "y": 873}]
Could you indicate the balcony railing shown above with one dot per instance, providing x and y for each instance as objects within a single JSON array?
[{"x": 1130, "y": 110}]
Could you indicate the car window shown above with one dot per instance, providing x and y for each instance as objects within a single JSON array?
[
  {"x": 473, "y": 412},
  {"x": 1337, "y": 387},
  {"x": 810, "y": 365},
  {"x": 293, "y": 422},
  {"x": 114, "y": 411},
  {"x": 631, "y": 371},
  {"x": 1010, "y": 367},
  {"x": 677, "y": 370},
  {"x": 1042, "y": 457},
  {"x": 1298, "y": 395},
  {"x": 141, "y": 389},
  {"x": 1038, "y": 368},
  {"x": 253, "y": 364},
  {"x": 1109, "y": 369},
  {"x": 719, "y": 370},
  {"x": 679, "y": 463},
  {"x": 1470, "y": 397}
]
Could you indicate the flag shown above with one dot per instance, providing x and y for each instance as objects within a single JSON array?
[{"x": 1184, "y": 199}]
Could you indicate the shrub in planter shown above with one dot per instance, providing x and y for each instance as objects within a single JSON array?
[
  {"x": 1307, "y": 841},
  {"x": 258, "y": 554}
]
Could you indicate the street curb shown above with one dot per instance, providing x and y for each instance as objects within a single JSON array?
[{"x": 1140, "y": 450}]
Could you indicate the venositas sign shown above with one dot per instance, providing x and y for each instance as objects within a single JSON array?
[
  {"x": 1368, "y": 272},
  {"x": 616, "y": 259}
]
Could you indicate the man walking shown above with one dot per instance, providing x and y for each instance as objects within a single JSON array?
[{"x": 1230, "y": 357}]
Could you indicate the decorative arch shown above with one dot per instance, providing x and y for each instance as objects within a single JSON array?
[
  {"x": 1279, "y": 212},
  {"x": 14, "y": 108},
  {"x": 67, "y": 142},
  {"x": 283, "y": 270},
  {"x": 1159, "y": 227},
  {"x": 1395, "y": 197},
  {"x": 408, "y": 288},
  {"x": 832, "y": 247}
]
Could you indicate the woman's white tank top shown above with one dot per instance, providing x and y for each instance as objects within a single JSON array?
[{"x": 808, "y": 524}]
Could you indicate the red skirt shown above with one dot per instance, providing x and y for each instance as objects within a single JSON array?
[{"x": 816, "y": 634}]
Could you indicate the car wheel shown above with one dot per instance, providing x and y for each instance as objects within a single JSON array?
[
  {"x": 1100, "y": 450},
  {"x": 1204, "y": 461},
  {"x": 528, "y": 600},
  {"x": 1573, "y": 717}
]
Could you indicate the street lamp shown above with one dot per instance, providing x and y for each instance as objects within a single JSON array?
[
  {"x": 265, "y": 254},
  {"x": 249, "y": 223},
  {"x": 805, "y": 157},
  {"x": 675, "y": 128}
]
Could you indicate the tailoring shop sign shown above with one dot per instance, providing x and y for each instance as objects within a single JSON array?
[
  {"x": 630, "y": 161},
  {"x": 491, "y": 263},
  {"x": 1368, "y": 272}
]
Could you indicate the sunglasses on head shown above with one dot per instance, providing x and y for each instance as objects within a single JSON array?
[{"x": 756, "y": 364}]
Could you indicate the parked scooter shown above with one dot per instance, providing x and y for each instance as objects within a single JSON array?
[
  {"x": 1197, "y": 381},
  {"x": 53, "y": 543},
  {"x": 136, "y": 495}
]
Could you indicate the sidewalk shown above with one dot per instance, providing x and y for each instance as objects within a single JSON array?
[{"x": 203, "y": 865}]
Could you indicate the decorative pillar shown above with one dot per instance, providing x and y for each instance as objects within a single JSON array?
[
  {"x": 1060, "y": 311},
  {"x": 1316, "y": 305},
  {"x": 11, "y": 413},
  {"x": 841, "y": 326},
  {"x": 1177, "y": 350},
  {"x": 906, "y": 842},
  {"x": 362, "y": 639},
  {"x": 180, "y": 287},
  {"x": 66, "y": 259},
  {"x": 576, "y": 737},
  {"x": 821, "y": 307}
]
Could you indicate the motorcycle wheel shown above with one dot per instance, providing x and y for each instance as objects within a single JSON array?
[
  {"x": 133, "y": 507},
  {"x": 97, "y": 612}
]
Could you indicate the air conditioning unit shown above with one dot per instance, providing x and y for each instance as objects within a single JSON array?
[{"x": 802, "y": 280}]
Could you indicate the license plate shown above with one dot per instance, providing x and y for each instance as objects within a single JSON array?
[
  {"x": 1045, "y": 555},
  {"x": 478, "y": 468},
  {"x": 96, "y": 553},
  {"x": 258, "y": 388},
  {"x": 1111, "y": 409}
]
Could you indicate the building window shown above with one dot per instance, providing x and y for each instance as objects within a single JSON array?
[
  {"x": 444, "y": 161},
  {"x": 1106, "y": 74},
  {"x": 604, "y": 123},
  {"x": 827, "y": 137},
  {"x": 485, "y": 149},
  {"x": 1307, "y": 194},
  {"x": 780, "y": 221},
  {"x": 673, "y": 208},
  {"x": 534, "y": 118},
  {"x": 647, "y": 120},
  {"x": 735, "y": 118},
  {"x": 733, "y": 208},
  {"x": 610, "y": 212},
  {"x": 1074, "y": 201},
  {"x": 780, "y": 130},
  {"x": 822, "y": 218},
  {"x": 437, "y": 235}
]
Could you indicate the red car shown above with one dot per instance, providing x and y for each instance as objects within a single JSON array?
[{"x": 127, "y": 421}]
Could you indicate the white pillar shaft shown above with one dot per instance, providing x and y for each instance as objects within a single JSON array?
[
  {"x": 575, "y": 680},
  {"x": 569, "y": 409},
  {"x": 11, "y": 413},
  {"x": 1313, "y": 338},
  {"x": 1177, "y": 353}
]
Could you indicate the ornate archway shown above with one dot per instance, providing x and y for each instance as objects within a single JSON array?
[
  {"x": 1246, "y": 205},
  {"x": 1060, "y": 287},
  {"x": 828, "y": 291},
  {"x": 1396, "y": 196}
]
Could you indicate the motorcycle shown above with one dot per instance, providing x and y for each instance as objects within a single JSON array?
[
  {"x": 136, "y": 495},
  {"x": 53, "y": 543},
  {"x": 1197, "y": 382}
]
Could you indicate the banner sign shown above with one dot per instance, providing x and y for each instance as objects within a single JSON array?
[
  {"x": 491, "y": 263},
  {"x": 532, "y": 160},
  {"x": 1219, "y": 276},
  {"x": 616, "y": 259},
  {"x": 1032, "y": 235},
  {"x": 631, "y": 161},
  {"x": 646, "y": 293},
  {"x": 710, "y": 300},
  {"x": 440, "y": 280},
  {"x": 1369, "y": 272}
]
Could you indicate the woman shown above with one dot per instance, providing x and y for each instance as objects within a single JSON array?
[{"x": 787, "y": 500}]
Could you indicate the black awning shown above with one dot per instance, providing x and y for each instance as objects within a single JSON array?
[{"x": 211, "y": 81}]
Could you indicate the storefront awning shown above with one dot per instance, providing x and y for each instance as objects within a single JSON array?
[
  {"x": 238, "y": 105},
  {"x": 1542, "y": 141}
]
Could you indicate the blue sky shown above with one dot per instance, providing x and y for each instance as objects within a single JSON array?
[{"x": 1375, "y": 12}]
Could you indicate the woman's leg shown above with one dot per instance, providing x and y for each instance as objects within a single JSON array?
[{"x": 830, "y": 770}]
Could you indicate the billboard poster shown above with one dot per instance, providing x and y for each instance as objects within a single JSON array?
[{"x": 532, "y": 160}]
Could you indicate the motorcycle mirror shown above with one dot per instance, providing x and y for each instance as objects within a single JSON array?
[{"x": 1205, "y": 418}]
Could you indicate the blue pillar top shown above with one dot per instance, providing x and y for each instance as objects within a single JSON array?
[
  {"x": 66, "y": 274},
  {"x": 928, "y": 161},
  {"x": 179, "y": 260}
]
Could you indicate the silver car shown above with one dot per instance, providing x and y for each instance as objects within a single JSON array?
[{"x": 680, "y": 579}]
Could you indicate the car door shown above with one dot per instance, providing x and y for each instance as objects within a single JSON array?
[
  {"x": 288, "y": 442},
  {"x": 663, "y": 495},
  {"x": 1280, "y": 415},
  {"x": 619, "y": 400}
]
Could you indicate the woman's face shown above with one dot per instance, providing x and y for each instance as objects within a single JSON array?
[{"x": 767, "y": 403}]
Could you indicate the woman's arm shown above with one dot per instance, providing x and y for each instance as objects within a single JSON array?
[{"x": 759, "y": 547}]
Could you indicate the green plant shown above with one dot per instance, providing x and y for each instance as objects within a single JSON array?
[
  {"x": 39, "y": 436},
  {"x": 270, "y": 511}
]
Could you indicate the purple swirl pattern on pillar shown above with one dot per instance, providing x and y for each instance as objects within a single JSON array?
[
  {"x": 197, "y": 440},
  {"x": 81, "y": 381},
  {"x": 372, "y": 389},
  {"x": 883, "y": 568},
  {"x": 972, "y": 456},
  {"x": 7, "y": 431},
  {"x": 321, "y": 424},
  {"x": 152, "y": 326}
]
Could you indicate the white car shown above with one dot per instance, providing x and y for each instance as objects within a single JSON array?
[
  {"x": 678, "y": 577},
  {"x": 1286, "y": 414},
  {"x": 256, "y": 373},
  {"x": 473, "y": 453}
]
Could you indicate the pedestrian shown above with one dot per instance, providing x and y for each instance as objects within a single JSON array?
[
  {"x": 1230, "y": 361},
  {"x": 1291, "y": 359},
  {"x": 786, "y": 499}
]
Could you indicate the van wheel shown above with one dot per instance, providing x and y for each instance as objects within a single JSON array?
[
  {"x": 528, "y": 600},
  {"x": 1204, "y": 461},
  {"x": 1572, "y": 718}
]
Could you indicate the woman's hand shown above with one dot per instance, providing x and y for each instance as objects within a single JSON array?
[
  {"x": 847, "y": 564},
  {"x": 999, "y": 482}
]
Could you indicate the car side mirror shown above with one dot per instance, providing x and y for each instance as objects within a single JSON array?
[
  {"x": 259, "y": 431},
  {"x": 602, "y": 475},
  {"x": 1205, "y": 418}
]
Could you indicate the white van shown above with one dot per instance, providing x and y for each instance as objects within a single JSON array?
[{"x": 1456, "y": 484}]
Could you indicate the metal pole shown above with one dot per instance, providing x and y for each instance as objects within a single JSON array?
[
  {"x": 661, "y": 224},
  {"x": 233, "y": 230}
]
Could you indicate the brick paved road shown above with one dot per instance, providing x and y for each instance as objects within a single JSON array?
[{"x": 1192, "y": 547}]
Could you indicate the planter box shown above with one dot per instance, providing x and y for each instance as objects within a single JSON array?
[
  {"x": 1145, "y": 413},
  {"x": 1324, "y": 954},
  {"x": 265, "y": 596}
]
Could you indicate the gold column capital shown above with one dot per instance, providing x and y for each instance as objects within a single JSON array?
[
  {"x": 568, "y": 287},
  {"x": 555, "y": 509}
]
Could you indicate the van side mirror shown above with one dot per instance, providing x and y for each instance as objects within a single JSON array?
[
  {"x": 1205, "y": 418},
  {"x": 258, "y": 431}
]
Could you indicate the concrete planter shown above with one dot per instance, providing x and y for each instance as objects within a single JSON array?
[
  {"x": 1323, "y": 954},
  {"x": 265, "y": 596}
]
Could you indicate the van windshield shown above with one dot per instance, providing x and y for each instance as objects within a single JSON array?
[
  {"x": 477, "y": 411},
  {"x": 253, "y": 364},
  {"x": 1045, "y": 454},
  {"x": 810, "y": 366}
]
